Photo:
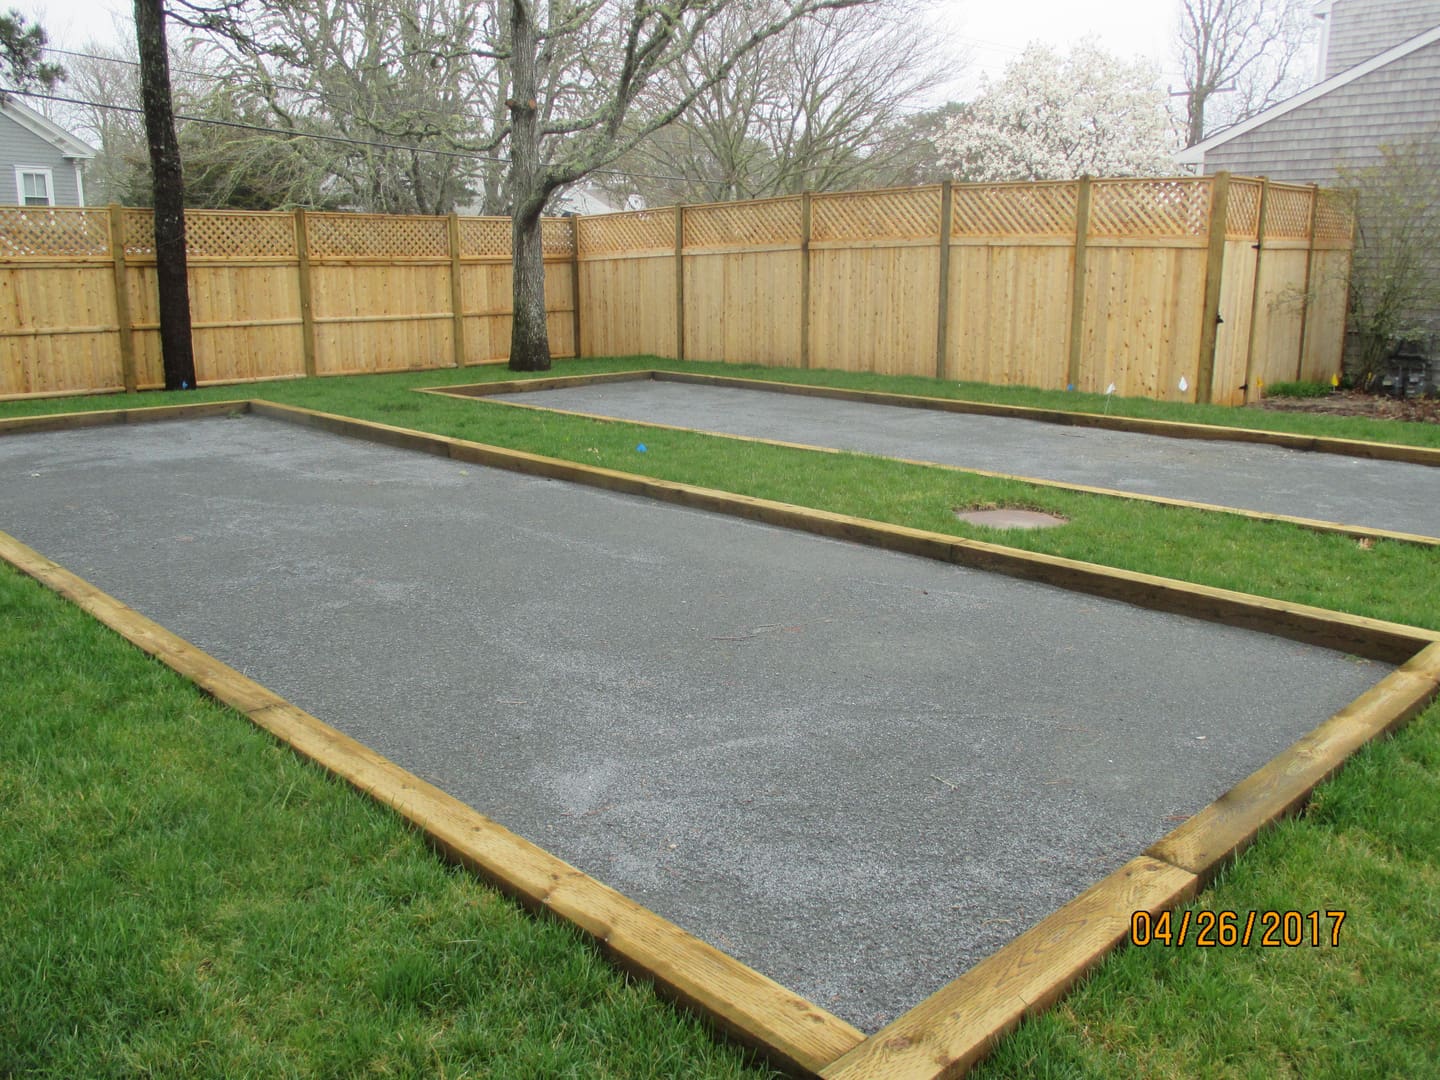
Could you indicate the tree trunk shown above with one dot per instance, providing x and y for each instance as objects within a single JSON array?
[
  {"x": 169, "y": 193},
  {"x": 1195, "y": 121},
  {"x": 529, "y": 336}
]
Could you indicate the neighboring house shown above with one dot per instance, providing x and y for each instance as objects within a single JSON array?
[
  {"x": 584, "y": 198},
  {"x": 1380, "y": 86},
  {"x": 589, "y": 199},
  {"x": 41, "y": 164}
]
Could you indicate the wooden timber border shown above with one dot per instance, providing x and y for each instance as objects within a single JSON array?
[
  {"x": 958, "y": 1024},
  {"x": 493, "y": 389},
  {"x": 755, "y": 1010}
]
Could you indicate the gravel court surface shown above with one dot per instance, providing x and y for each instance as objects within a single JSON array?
[
  {"x": 857, "y": 771},
  {"x": 1248, "y": 476}
]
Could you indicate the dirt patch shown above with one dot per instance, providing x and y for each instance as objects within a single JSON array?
[
  {"x": 1424, "y": 410},
  {"x": 1009, "y": 517}
]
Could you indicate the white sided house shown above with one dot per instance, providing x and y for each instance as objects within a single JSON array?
[{"x": 41, "y": 164}]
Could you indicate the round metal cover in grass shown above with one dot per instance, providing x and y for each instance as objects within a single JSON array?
[{"x": 1010, "y": 519}]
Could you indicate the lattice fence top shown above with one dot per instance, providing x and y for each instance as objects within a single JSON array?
[
  {"x": 628, "y": 231},
  {"x": 1242, "y": 219},
  {"x": 39, "y": 231},
  {"x": 1287, "y": 213},
  {"x": 485, "y": 236},
  {"x": 138, "y": 230},
  {"x": 1014, "y": 209},
  {"x": 493, "y": 236},
  {"x": 1334, "y": 216},
  {"x": 239, "y": 234},
  {"x": 557, "y": 236},
  {"x": 747, "y": 224},
  {"x": 1149, "y": 209},
  {"x": 376, "y": 236},
  {"x": 899, "y": 214}
]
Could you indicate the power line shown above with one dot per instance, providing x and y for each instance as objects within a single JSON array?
[
  {"x": 182, "y": 71},
  {"x": 291, "y": 133}
]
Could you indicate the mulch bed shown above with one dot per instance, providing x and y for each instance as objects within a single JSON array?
[{"x": 1354, "y": 403}]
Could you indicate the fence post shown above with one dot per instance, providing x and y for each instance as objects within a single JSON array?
[
  {"x": 575, "y": 280},
  {"x": 307, "y": 309},
  {"x": 942, "y": 317},
  {"x": 679, "y": 281},
  {"x": 1077, "y": 282},
  {"x": 457, "y": 293},
  {"x": 1214, "y": 265},
  {"x": 805, "y": 279},
  {"x": 122, "y": 298},
  {"x": 1250, "y": 394},
  {"x": 1305, "y": 305}
]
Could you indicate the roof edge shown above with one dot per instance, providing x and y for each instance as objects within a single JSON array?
[
  {"x": 47, "y": 129},
  {"x": 1195, "y": 155}
]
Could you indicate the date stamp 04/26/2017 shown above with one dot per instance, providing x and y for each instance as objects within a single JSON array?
[{"x": 1270, "y": 929}]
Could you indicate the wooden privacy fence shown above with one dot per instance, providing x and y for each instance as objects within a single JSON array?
[
  {"x": 1186, "y": 289},
  {"x": 1182, "y": 289},
  {"x": 272, "y": 295}
]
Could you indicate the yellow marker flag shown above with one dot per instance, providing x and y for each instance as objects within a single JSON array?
[{"x": 1335, "y": 380}]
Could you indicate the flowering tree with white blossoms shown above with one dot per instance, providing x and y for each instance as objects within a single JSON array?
[{"x": 1053, "y": 117}]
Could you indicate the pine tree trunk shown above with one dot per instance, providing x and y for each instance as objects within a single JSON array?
[
  {"x": 529, "y": 336},
  {"x": 169, "y": 192}
]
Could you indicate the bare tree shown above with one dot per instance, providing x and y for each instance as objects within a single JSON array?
[
  {"x": 559, "y": 138},
  {"x": 1250, "y": 51},
  {"x": 228, "y": 164},
  {"x": 110, "y": 76},
  {"x": 556, "y": 88},
  {"x": 820, "y": 107},
  {"x": 407, "y": 89}
]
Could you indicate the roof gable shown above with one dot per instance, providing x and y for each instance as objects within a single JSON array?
[
  {"x": 34, "y": 122},
  {"x": 1196, "y": 154}
]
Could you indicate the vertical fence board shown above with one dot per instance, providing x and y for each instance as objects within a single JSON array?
[{"x": 1325, "y": 314}]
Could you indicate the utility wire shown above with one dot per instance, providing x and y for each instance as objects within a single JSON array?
[{"x": 210, "y": 75}]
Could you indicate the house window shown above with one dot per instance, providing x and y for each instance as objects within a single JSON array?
[{"x": 36, "y": 187}]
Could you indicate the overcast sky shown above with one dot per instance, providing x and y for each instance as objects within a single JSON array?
[{"x": 990, "y": 33}]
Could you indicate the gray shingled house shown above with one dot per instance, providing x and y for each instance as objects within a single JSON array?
[
  {"x": 1380, "y": 86},
  {"x": 41, "y": 164}
]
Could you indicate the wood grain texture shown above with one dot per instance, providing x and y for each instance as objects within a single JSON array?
[
  {"x": 122, "y": 299},
  {"x": 918, "y": 281},
  {"x": 106, "y": 417},
  {"x": 959, "y": 1024},
  {"x": 1210, "y": 322},
  {"x": 758, "y": 1012},
  {"x": 1076, "y": 332}
]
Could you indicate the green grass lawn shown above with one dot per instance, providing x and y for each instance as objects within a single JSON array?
[{"x": 185, "y": 898}]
